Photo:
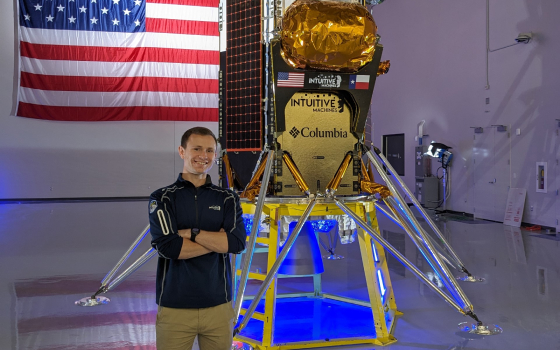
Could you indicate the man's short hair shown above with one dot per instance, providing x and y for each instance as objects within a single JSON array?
[{"x": 198, "y": 130}]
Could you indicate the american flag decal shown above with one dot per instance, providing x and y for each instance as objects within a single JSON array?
[
  {"x": 92, "y": 60},
  {"x": 290, "y": 79}
]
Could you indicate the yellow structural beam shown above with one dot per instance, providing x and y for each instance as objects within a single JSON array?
[{"x": 380, "y": 290}]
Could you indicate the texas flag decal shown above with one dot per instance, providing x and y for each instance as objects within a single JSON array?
[{"x": 359, "y": 82}]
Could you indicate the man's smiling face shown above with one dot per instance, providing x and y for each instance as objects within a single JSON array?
[{"x": 198, "y": 155}]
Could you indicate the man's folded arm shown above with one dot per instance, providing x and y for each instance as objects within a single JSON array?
[{"x": 165, "y": 236}]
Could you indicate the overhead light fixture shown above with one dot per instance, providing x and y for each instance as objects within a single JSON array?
[{"x": 524, "y": 38}]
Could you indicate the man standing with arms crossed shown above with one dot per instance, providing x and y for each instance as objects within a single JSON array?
[{"x": 194, "y": 225}]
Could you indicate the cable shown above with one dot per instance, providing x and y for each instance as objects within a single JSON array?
[{"x": 448, "y": 176}]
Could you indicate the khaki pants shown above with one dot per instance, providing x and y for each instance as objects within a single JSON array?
[{"x": 177, "y": 328}]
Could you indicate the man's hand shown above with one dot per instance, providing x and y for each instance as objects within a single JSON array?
[
  {"x": 215, "y": 241},
  {"x": 186, "y": 233}
]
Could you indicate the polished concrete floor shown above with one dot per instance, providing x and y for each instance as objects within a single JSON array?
[{"x": 54, "y": 254}]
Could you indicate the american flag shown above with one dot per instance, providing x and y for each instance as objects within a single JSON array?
[
  {"x": 93, "y": 60},
  {"x": 290, "y": 79}
]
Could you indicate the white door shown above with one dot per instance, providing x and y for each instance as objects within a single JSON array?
[
  {"x": 483, "y": 173},
  {"x": 491, "y": 164},
  {"x": 502, "y": 168}
]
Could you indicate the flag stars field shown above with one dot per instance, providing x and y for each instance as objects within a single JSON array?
[{"x": 128, "y": 16}]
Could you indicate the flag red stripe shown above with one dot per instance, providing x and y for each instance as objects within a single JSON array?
[
  {"x": 117, "y": 84},
  {"x": 118, "y": 54},
  {"x": 362, "y": 86},
  {"x": 56, "y": 323},
  {"x": 142, "y": 282},
  {"x": 102, "y": 345},
  {"x": 176, "y": 26},
  {"x": 205, "y": 3},
  {"x": 117, "y": 113}
]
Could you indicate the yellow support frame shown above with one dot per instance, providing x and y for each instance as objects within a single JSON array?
[{"x": 384, "y": 309}]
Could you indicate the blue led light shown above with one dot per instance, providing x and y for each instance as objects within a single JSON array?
[
  {"x": 248, "y": 222},
  {"x": 323, "y": 225},
  {"x": 375, "y": 257},
  {"x": 318, "y": 225},
  {"x": 381, "y": 284}
]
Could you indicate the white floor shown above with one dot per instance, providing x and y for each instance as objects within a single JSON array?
[{"x": 53, "y": 254}]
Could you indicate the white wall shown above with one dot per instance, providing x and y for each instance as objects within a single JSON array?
[
  {"x": 49, "y": 159},
  {"x": 438, "y": 54},
  {"x": 437, "y": 50}
]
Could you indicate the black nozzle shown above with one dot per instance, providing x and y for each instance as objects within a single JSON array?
[
  {"x": 472, "y": 314},
  {"x": 101, "y": 289}
]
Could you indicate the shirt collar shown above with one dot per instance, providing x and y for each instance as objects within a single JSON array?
[{"x": 207, "y": 183}]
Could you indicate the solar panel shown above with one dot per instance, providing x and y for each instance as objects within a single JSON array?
[{"x": 243, "y": 115}]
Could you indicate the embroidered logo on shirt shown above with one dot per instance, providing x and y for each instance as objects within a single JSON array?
[
  {"x": 215, "y": 207},
  {"x": 153, "y": 206}
]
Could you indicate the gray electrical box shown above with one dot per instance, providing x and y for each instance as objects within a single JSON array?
[
  {"x": 427, "y": 191},
  {"x": 422, "y": 163}
]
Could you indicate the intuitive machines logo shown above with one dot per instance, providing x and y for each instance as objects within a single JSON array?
[
  {"x": 325, "y": 105},
  {"x": 326, "y": 80}
]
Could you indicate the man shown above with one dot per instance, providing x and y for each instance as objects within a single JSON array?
[{"x": 194, "y": 225}]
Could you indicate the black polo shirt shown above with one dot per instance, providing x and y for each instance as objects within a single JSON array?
[{"x": 203, "y": 281}]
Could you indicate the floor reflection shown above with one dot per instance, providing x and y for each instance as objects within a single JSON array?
[{"x": 54, "y": 254}]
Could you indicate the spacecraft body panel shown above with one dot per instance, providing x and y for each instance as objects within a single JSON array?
[
  {"x": 318, "y": 136},
  {"x": 318, "y": 118}
]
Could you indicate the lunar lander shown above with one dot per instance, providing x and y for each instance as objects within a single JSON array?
[{"x": 321, "y": 64}]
